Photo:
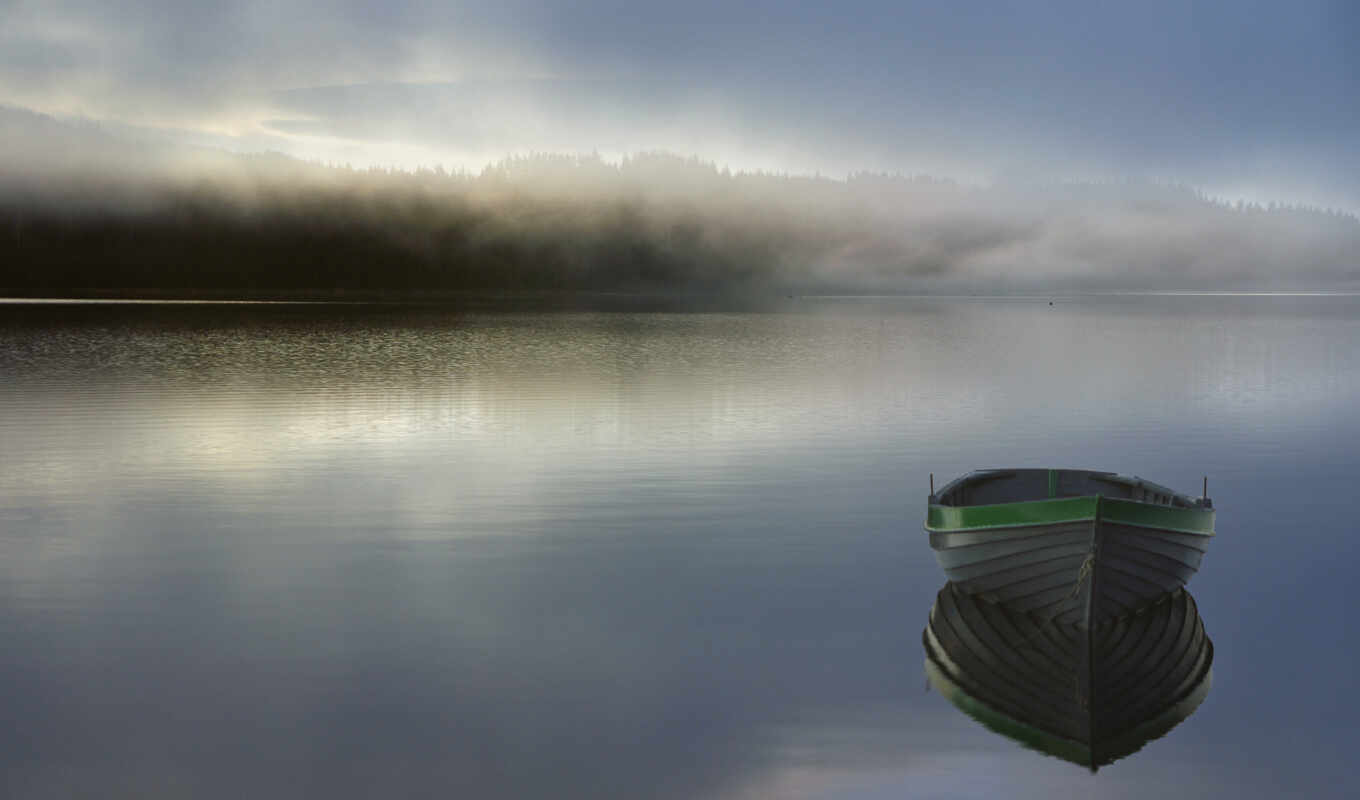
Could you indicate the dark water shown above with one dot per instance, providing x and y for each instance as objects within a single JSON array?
[{"x": 348, "y": 552}]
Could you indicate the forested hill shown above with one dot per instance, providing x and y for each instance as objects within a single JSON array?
[{"x": 86, "y": 213}]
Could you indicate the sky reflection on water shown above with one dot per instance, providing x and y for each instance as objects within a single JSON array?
[{"x": 293, "y": 550}]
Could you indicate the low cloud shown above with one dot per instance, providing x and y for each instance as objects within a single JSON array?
[{"x": 83, "y": 209}]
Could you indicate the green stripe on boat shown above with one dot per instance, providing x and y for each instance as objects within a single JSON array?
[
  {"x": 1008, "y": 515},
  {"x": 1167, "y": 518},
  {"x": 1070, "y": 509}
]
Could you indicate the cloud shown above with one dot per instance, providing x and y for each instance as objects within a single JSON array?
[
  {"x": 648, "y": 222},
  {"x": 1247, "y": 99}
]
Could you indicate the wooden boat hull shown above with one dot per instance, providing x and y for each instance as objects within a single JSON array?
[
  {"x": 1075, "y": 560},
  {"x": 1090, "y": 695}
]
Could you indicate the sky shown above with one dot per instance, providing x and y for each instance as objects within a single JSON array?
[{"x": 1244, "y": 99}]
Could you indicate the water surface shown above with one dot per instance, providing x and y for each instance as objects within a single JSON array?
[{"x": 351, "y": 551}]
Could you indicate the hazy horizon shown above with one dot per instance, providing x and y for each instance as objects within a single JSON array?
[
  {"x": 87, "y": 208},
  {"x": 1201, "y": 145}
]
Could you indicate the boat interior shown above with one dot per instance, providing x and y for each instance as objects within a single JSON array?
[{"x": 993, "y": 486}]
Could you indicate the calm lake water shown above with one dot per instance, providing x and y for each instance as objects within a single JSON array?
[{"x": 342, "y": 551}]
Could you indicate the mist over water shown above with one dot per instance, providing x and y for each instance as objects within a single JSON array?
[
  {"x": 85, "y": 213},
  {"x": 344, "y": 550}
]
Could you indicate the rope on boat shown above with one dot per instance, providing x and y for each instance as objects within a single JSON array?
[{"x": 1083, "y": 573}]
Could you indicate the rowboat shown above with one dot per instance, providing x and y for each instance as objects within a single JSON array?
[
  {"x": 1089, "y": 695},
  {"x": 1074, "y": 546}
]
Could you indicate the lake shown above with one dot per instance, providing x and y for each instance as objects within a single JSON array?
[{"x": 356, "y": 551}]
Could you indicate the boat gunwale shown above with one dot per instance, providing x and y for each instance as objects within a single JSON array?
[
  {"x": 1114, "y": 478},
  {"x": 942, "y": 518}
]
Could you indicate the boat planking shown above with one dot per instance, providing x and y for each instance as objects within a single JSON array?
[
  {"x": 1074, "y": 546},
  {"x": 1088, "y": 695}
]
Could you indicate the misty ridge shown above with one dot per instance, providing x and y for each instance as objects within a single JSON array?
[{"x": 85, "y": 211}]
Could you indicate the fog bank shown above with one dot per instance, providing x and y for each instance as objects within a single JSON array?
[{"x": 81, "y": 209}]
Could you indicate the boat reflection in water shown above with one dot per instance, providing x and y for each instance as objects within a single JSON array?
[{"x": 1089, "y": 695}]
